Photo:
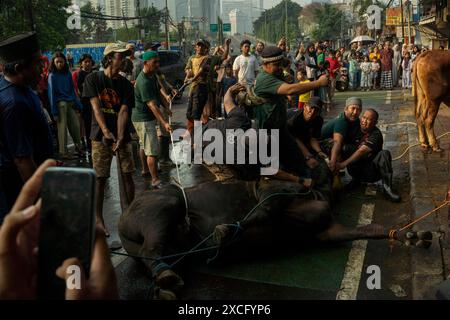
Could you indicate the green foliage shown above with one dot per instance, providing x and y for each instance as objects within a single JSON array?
[
  {"x": 330, "y": 20},
  {"x": 271, "y": 24},
  {"x": 50, "y": 18},
  {"x": 51, "y": 23},
  {"x": 92, "y": 30},
  {"x": 151, "y": 20}
]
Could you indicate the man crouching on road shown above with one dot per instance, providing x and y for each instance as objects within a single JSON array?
[
  {"x": 366, "y": 161},
  {"x": 340, "y": 131}
]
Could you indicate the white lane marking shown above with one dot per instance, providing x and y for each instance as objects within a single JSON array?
[
  {"x": 388, "y": 97},
  {"x": 352, "y": 275},
  {"x": 118, "y": 259}
]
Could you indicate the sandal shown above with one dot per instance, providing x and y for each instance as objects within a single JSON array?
[{"x": 157, "y": 185}]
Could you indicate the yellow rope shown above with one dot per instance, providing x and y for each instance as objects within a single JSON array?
[{"x": 415, "y": 145}]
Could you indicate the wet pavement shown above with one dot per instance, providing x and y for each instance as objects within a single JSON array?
[{"x": 311, "y": 271}]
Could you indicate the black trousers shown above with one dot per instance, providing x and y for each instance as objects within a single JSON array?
[
  {"x": 370, "y": 169},
  {"x": 197, "y": 102}
]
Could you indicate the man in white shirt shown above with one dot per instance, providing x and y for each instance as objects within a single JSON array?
[{"x": 246, "y": 66}]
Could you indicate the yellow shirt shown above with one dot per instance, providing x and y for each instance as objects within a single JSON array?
[
  {"x": 305, "y": 96},
  {"x": 372, "y": 55}
]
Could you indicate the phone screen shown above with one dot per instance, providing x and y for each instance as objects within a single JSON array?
[{"x": 67, "y": 225}]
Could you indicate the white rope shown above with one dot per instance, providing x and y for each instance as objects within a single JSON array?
[{"x": 173, "y": 144}]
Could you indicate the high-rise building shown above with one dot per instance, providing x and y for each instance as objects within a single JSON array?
[
  {"x": 203, "y": 12},
  {"x": 240, "y": 22},
  {"x": 252, "y": 8},
  {"x": 95, "y": 3}
]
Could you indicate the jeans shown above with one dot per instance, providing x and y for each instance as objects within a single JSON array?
[{"x": 67, "y": 119}]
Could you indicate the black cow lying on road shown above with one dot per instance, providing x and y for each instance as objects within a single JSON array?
[{"x": 158, "y": 224}]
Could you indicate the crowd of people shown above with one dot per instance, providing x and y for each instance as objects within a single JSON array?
[{"x": 265, "y": 87}]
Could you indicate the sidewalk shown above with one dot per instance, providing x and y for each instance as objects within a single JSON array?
[{"x": 430, "y": 181}]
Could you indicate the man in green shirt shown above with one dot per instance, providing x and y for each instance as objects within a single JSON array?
[
  {"x": 341, "y": 130},
  {"x": 147, "y": 94},
  {"x": 272, "y": 114}
]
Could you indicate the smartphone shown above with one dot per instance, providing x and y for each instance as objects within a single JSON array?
[{"x": 67, "y": 225}]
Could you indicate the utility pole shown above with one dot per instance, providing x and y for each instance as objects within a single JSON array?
[
  {"x": 31, "y": 16},
  {"x": 265, "y": 25},
  {"x": 286, "y": 21},
  {"x": 409, "y": 21},
  {"x": 401, "y": 17},
  {"x": 166, "y": 24},
  {"x": 126, "y": 25},
  {"x": 138, "y": 7}
]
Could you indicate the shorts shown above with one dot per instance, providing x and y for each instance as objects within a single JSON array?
[
  {"x": 102, "y": 156},
  {"x": 161, "y": 131},
  {"x": 197, "y": 102},
  {"x": 148, "y": 139}
]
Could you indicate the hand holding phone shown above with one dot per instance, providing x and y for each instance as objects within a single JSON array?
[
  {"x": 19, "y": 235},
  {"x": 67, "y": 226}
]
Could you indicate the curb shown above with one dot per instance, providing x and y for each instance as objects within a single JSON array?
[{"x": 426, "y": 265}]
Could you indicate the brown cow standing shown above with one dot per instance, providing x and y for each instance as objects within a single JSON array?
[{"x": 431, "y": 77}]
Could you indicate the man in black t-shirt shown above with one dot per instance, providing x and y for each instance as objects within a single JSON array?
[
  {"x": 366, "y": 161},
  {"x": 112, "y": 98},
  {"x": 305, "y": 126}
]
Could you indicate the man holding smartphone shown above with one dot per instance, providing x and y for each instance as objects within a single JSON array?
[
  {"x": 111, "y": 97},
  {"x": 25, "y": 136}
]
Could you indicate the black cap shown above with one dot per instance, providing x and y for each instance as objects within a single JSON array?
[
  {"x": 271, "y": 52},
  {"x": 315, "y": 102},
  {"x": 152, "y": 46},
  {"x": 20, "y": 47}
]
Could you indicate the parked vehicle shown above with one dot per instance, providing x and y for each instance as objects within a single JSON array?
[{"x": 172, "y": 65}]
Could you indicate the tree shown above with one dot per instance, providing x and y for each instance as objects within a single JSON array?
[
  {"x": 50, "y": 18},
  {"x": 151, "y": 21},
  {"x": 271, "y": 24},
  {"x": 330, "y": 20},
  {"x": 94, "y": 28}
]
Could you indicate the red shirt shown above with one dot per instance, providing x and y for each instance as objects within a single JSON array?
[{"x": 334, "y": 66}]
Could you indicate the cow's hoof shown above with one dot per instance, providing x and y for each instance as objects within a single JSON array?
[
  {"x": 221, "y": 231},
  {"x": 169, "y": 280},
  {"x": 420, "y": 239},
  {"x": 438, "y": 150},
  {"x": 425, "y": 148},
  {"x": 162, "y": 294}
]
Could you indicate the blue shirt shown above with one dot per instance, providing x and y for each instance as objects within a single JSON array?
[
  {"x": 24, "y": 131},
  {"x": 61, "y": 88}
]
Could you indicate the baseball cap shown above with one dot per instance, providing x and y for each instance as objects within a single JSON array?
[
  {"x": 119, "y": 47},
  {"x": 152, "y": 46},
  {"x": 149, "y": 55}
]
